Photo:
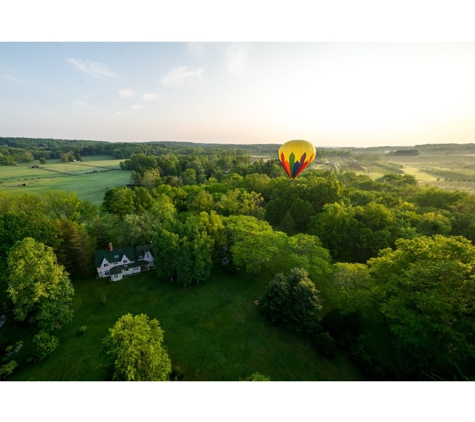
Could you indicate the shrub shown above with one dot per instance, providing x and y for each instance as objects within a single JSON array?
[
  {"x": 325, "y": 345},
  {"x": 257, "y": 377},
  {"x": 370, "y": 366},
  {"x": 43, "y": 345},
  {"x": 176, "y": 374},
  {"x": 8, "y": 348},
  {"x": 8, "y": 369},
  {"x": 82, "y": 329},
  {"x": 103, "y": 298},
  {"x": 345, "y": 329}
]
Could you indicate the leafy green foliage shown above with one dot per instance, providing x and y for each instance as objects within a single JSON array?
[
  {"x": 292, "y": 300},
  {"x": 257, "y": 377},
  {"x": 76, "y": 247},
  {"x": 426, "y": 288},
  {"x": 7, "y": 369},
  {"x": 344, "y": 328},
  {"x": 67, "y": 205},
  {"x": 38, "y": 287},
  {"x": 325, "y": 344},
  {"x": 352, "y": 287},
  {"x": 135, "y": 351},
  {"x": 43, "y": 345}
]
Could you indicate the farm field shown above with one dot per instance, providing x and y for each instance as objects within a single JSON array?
[
  {"x": 88, "y": 179},
  {"x": 450, "y": 172},
  {"x": 213, "y": 331}
]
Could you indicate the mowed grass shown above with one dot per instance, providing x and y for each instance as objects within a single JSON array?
[
  {"x": 213, "y": 331},
  {"x": 89, "y": 179}
]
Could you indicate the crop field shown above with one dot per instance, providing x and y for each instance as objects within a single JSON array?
[
  {"x": 213, "y": 331},
  {"x": 89, "y": 178},
  {"x": 448, "y": 172}
]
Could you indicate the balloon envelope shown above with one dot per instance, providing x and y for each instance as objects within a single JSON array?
[{"x": 295, "y": 156}]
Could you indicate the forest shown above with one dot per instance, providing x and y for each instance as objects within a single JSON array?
[{"x": 373, "y": 277}]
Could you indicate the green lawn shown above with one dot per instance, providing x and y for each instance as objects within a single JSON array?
[
  {"x": 213, "y": 331},
  {"x": 89, "y": 179}
]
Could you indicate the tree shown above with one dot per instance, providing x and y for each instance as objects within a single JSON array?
[
  {"x": 435, "y": 198},
  {"x": 43, "y": 345},
  {"x": 203, "y": 201},
  {"x": 38, "y": 287},
  {"x": 426, "y": 289},
  {"x": 119, "y": 201},
  {"x": 257, "y": 250},
  {"x": 134, "y": 350},
  {"x": 351, "y": 287},
  {"x": 337, "y": 227},
  {"x": 293, "y": 300},
  {"x": 143, "y": 201},
  {"x": 150, "y": 179},
  {"x": 186, "y": 249},
  {"x": 61, "y": 204},
  {"x": 76, "y": 249},
  {"x": 188, "y": 177},
  {"x": 306, "y": 251}
]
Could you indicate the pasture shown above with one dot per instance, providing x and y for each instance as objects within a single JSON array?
[
  {"x": 213, "y": 332},
  {"x": 89, "y": 178}
]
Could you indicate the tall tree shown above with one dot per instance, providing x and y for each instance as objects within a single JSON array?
[
  {"x": 76, "y": 251},
  {"x": 426, "y": 289},
  {"x": 61, "y": 204},
  {"x": 293, "y": 300},
  {"x": 134, "y": 350},
  {"x": 38, "y": 287}
]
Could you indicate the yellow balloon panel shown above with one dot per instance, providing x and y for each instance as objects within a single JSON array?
[{"x": 295, "y": 156}]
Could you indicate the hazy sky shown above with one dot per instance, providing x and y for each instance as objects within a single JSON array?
[{"x": 332, "y": 94}]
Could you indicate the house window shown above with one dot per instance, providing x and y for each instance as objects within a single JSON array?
[
  {"x": 141, "y": 257},
  {"x": 106, "y": 272},
  {"x": 106, "y": 264},
  {"x": 124, "y": 261}
]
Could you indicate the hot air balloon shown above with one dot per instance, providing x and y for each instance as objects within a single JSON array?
[{"x": 295, "y": 156}]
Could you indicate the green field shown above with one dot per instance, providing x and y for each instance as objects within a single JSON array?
[
  {"x": 89, "y": 178},
  {"x": 213, "y": 331}
]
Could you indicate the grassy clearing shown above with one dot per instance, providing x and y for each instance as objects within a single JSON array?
[
  {"x": 213, "y": 332},
  {"x": 264, "y": 158},
  {"x": 89, "y": 179}
]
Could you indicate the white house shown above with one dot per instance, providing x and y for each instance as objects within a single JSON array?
[{"x": 115, "y": 263}]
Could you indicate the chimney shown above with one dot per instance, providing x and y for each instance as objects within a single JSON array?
[{"x": 110, "y": 247}]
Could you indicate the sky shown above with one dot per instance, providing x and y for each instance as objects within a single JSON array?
[{"x": 330, "y": 93}]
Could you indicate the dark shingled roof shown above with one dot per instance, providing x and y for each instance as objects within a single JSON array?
[
  {"x": 141, "y": 249},
  {"x": 114, "y": 256}
]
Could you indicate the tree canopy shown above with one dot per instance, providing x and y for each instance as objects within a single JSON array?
[
  {"x": 425, "y": 289},
  {"x": 38, "y": 287},
  {"x": 134, "y": 350}
]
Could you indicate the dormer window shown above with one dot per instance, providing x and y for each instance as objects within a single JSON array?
[{"x": 141, "y": 257}]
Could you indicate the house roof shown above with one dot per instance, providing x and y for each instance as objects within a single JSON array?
[
  {"x": 114, "y": 256},
  {"x": 141, "y": 249},
  {"x": 143, "y": 262},
  {"x": 116, "y": 270}
]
